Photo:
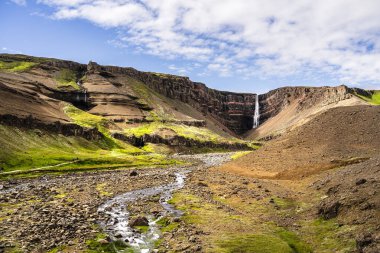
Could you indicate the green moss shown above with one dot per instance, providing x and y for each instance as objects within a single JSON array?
[
  {"x": 373, "y": 99},
  {"x": 258, "y": 243},
  {"x": 328, "y": 236},
  {"x": 239, "y": 154},
  {"x": 241, "y": 232},
  {"x": 293, "y": 241},
  {"x": 67, "y": 78},
  {"x": 96, "y": 246},
  {"x": 191, "y": 132},
  {"x": 89, "y": 120},
  {"x": 142, "y": 229},
  {"x": 166, "y": 225},
  {"x": 284, "y": 203},
  {"x": 39, "y": 150},
  {"x": 376, "y": 98},
  {"x": 16, "y": 66},
  {"x": 102, "y": 192},
  {"x": 56, "y": 249},
  {"x": 60, "y": 195}
]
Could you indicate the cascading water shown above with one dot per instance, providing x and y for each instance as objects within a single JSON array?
[{"x": 256, "y": 116}]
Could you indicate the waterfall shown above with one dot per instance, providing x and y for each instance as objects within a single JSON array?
[{"x": 256, "y": 116}]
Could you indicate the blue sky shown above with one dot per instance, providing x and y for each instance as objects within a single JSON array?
[{"x": 235, "y": 45}]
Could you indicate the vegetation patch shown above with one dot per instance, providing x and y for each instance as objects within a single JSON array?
[
  {"x": 240, "y": 232},
  {"x": 167, "y": 225},
  {"x": 102, "y": 191},
  {"x": 89, "y": 120},
  {"x": 56, "y": 249},
  {"x": 201, "y": 134},
  {"x": 43, "y": 152},
  {"x": 294, "y": 242},
  {"x": 16, "y": 66},
  {"x": 258, "y": 243},
  {"x": 328, "y": 236},
  {"x": 100, "y": 244},
  {"x": 142, "y": 229},
  {"x": 373, "y": 99},
  {"x": 239, "y": 154},
  {"x": 67, "y": 78}
]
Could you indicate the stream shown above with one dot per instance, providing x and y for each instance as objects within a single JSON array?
[{"x": 116, "y": 216}]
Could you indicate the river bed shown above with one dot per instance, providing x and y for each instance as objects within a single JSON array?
[{"x": 117, "y": 217}]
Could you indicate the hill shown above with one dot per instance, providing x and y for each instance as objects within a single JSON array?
[{"x": 330, "y": 167}]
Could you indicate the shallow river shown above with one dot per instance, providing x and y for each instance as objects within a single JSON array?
[{"x": 116, "y": 215}]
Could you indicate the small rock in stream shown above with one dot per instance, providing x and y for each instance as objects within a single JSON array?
[{"x": 139, "y": 221}]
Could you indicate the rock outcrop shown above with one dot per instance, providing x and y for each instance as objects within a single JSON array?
[
  {"x": 274, "y": 101},
  {"x": 179, "y": 142},
  {"x": 234, "y": 110}
]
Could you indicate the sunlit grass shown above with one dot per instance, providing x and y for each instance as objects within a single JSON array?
[
  {"x": 374, "y": 99},
  {"x": 16, "y": 66}
]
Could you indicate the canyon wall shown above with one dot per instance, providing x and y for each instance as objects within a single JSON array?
[
  {"x": 274, "y": 101},
  {"x": 234, "y": 110}
]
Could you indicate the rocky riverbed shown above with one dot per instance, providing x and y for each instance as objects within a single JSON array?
[{"x": 38, "y": 215}]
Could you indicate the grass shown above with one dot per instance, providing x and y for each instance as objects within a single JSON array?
[
  {"x": 201, "y": 134},
  {"x": 240, "y": 154},
  {"x": 166, "y": 225},
  {"x": 56, "y": 249},
  {"x": 240, "y": 232},
  {"x": 152, "y": 99},
  {"x": 86, "y": 119},
  {"x": 374, "y": 99},
  {"x": 100, "y": 188},
  {"x": 24, "y": 150},
  {"x": 328, "y": 236},
  {"x": 258, "y": 243},
  {"x": 142, "y": 229},
  {"x": 67, "y": 78},
  {"x": 96, "y": 246},
  {"x": 16, "y": 66}
]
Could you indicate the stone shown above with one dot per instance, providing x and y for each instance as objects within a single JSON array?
[
  {"x": 139, "y": 221},
  {"x": 133, "y": 173},
  {"x": 360, "y": 181},
  {"x": 329, "y": 210}
]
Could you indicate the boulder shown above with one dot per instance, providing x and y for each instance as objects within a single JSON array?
[{"x": 139, "y": 221}]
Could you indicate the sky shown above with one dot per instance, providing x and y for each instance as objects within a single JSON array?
[{"x": 234, "y": 45}]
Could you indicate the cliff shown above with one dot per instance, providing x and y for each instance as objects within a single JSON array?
[
  {"x": 127, "y": 96},
  {"x": 234, "y": 110}
]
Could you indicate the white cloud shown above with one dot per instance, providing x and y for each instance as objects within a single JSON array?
[
  {"x": 10, "y": 51},
  {"x": 19, "y": 2},
  {"x": 246, "y": 38}
]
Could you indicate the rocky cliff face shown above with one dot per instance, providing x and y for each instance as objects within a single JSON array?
[
  {"x": 107, "y": 91},
  {"x": 234, "y": 110},
  {"x": 274, "y": 101}
]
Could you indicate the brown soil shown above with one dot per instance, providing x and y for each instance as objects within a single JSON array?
[{"x": 337, "y": 137}]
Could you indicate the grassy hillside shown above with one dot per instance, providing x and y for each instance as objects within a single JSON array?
[
  {"x": 25, "y": 150},
  {"x": 373, "y": 99}
]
